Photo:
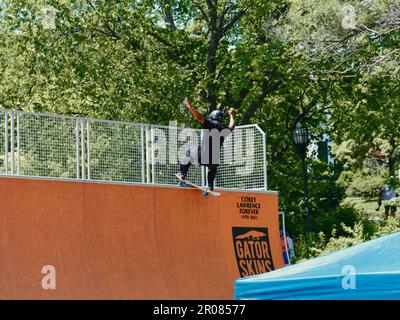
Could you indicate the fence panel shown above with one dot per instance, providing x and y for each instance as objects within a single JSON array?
[
  {"x": 168, "y": 148},
  {"x": 115, "y": 151},
  {"x": 42, "y": 145},
  {"x": 242, "y": 160},
  {"x": 47, "y": 146}
]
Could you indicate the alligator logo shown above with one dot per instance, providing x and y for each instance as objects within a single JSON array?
[
  {"x": 252, "y": 250},
  {"x": 253, "y": 234}
]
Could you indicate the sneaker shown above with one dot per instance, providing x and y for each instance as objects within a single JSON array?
[
  {"x": 181, "y": 176},
  {"x": 207, "y": 190},
  {"x": 182, "y": 183}
]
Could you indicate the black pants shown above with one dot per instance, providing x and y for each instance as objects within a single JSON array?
[
  {"x": 193, "y": 156},
  {"x": 390, "y": 210}
]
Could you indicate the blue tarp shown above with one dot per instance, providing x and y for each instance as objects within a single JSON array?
[{"x": 370, "y": 270}]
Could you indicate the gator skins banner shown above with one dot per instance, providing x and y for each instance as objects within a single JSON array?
[{"x": 252, "y": 250}]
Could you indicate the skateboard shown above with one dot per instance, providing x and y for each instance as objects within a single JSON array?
[{"x": 206, "y": 192}]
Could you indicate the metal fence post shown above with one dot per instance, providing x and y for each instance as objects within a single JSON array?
[
  {"x": 265, "y": 162},
  {"x": 12, "y": 148},
  {"x": 88, "y": 147},
  {"x": 83, "y": 148},
  {"x": 284, "y": 235},
  {"x": 148, "y": 157},
  {"x": 6, "y": 141},
  {"x": 152, "y": 155},
  {"x": 77, "y": 147},
  {"x": 202, "y": 168},
  {"x": 18, "y": 144},
  {"x": 142, "y": 138}
]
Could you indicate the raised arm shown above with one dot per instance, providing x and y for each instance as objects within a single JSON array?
[
  {"x": 231, "y": 118},
  {"x": 194, "y": 112}
]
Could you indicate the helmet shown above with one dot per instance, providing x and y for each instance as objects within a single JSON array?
[{"x": 216, "y": 115}]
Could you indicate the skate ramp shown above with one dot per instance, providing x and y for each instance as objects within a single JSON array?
[{"x": 115, "y": 241}]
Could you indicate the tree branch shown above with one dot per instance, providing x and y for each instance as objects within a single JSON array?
[
  {"x": 109, "y": 33},
  {"x": 91, "y": 4},
  {"x": 242, "y": 95},
  {"x": 233, "y": 21},
  {"x": 266, "y": 89},
  {"x": 227, "y": 8},
  {"x": 172, "y": 51},
  {"x": 201, "y": 9},
  {"x": 167, "y": 13}
]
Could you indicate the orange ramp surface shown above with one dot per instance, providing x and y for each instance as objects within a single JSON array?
[{"x": 124, "y": 241}]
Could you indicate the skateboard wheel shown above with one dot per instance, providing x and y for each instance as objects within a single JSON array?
[{"x": 182, "y": 184}]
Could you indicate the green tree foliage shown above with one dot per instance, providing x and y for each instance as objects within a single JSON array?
[
  {"x": 134, "y": 60},
  {"x": 363, "y": 184},
  {"x": 313, "y": 245}
]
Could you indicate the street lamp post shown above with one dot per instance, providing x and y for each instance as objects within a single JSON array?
[{"x": 301, "y": 140}]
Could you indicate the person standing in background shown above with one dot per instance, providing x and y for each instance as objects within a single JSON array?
[
  {"x": 291, "y": 245},
  {"x": 386, "y": 193},
  {"x": 285, "y": 249}
]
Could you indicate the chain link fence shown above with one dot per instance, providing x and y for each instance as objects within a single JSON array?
[
  {"x": 43, "y": 145},
  {"x": 115, "y": 151},
  {"x": 243, "y": 160},
  {"x": 46, "y": 146},
  {"x": 168, "y": 146}
]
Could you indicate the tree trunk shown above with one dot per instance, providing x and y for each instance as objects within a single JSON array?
[
  {"x": 392, "y": 158},
  {"x": 391, "y": 163}
]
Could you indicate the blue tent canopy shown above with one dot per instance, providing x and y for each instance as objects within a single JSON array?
[{"x": 370, "y": 270}]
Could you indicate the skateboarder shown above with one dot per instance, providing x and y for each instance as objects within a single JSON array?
[{"x": 204, "y": 155}]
